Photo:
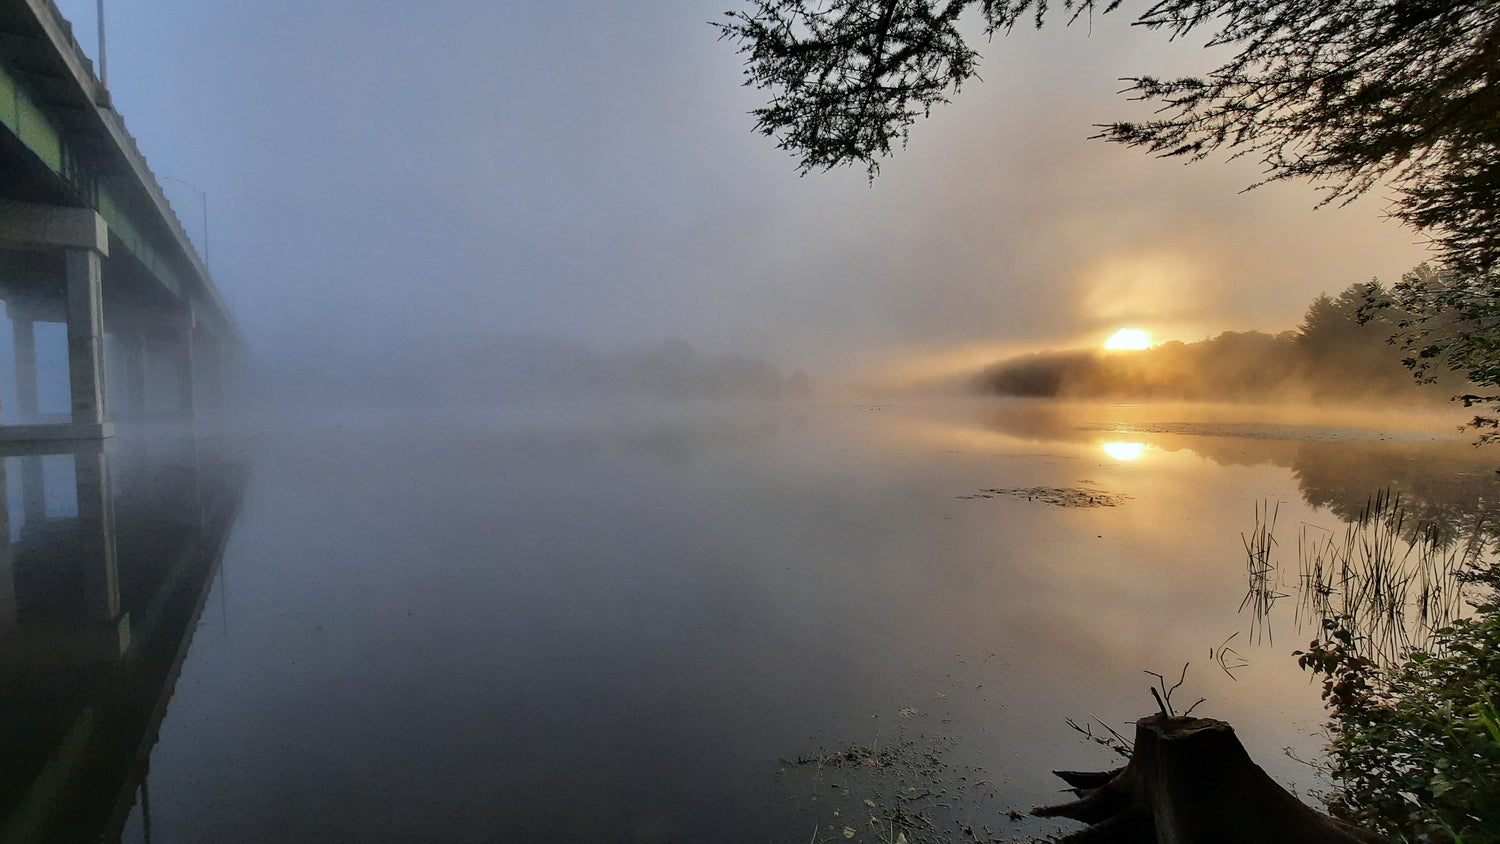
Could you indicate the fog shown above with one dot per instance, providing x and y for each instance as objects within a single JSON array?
[
  {"x": 1339, "y": 362},
  {"x": 384, "y": 177},
  {"x": 500, "y": 539}
]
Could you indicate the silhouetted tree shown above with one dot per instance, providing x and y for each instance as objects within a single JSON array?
[
  {"x": 1343, "y": 349},
  {"x": 1449, "y": 322},
  {"x": 1342, "y": 92},
  {"x": 1339, "y": 352}
]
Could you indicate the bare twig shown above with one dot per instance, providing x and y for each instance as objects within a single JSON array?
[
  {"x": 1114, "y": 741},
  {"x": 1165, "y": 710},
  {"x": 1164, "y": 698},
  {"x": 1180, "y": 681}
]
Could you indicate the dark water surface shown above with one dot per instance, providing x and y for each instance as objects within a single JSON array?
[{"x": 630, "y": 625}]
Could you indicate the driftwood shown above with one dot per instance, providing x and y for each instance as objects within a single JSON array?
[{"x": 1190, "y": 781}]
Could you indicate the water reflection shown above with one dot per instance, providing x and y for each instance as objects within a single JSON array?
[
  {"x": 106, "y": 556},
  {"x": 1391, "y": 579},
  {"x": 1443, "y": 482},
  {"x": 1126, "y": 451},
  {"x": 1417, "y": 508},
  {"x": 616, "y": 625}
]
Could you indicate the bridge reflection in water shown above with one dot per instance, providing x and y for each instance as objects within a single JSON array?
[{"x": 107, "y": 555}]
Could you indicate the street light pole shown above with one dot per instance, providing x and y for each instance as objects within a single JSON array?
[
  {"x": 202, "y": 198},
  {"x": 103, "y": 68}
]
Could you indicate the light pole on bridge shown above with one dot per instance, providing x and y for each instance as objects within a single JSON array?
[
  {"x": 203, "y": 199},
  {"x": 103, "y": 69}
]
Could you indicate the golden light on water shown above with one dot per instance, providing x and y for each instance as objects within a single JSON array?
[
  {"x": 1123, "y": 450},
  {"x": 1128, "y": 338}
]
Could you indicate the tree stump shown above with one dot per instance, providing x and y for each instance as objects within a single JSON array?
[{"x": 1190, "y": 781}]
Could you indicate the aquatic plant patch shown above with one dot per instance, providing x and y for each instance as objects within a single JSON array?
[{"x": 1056, "y": 496}]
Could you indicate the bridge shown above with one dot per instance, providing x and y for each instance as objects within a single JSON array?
[
  {"x": 88, "y": 239},
  {"x": 98, "y": 609}
]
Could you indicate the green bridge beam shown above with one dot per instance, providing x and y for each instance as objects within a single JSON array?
[{"x": 59, "y": 113}]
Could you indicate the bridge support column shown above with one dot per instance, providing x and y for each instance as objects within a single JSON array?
[
  {"x": 80, "y": 234},
  {"x": 214, "y": 375},
  {"x": 135, "y": 347},
  {"x": 33, "y": 490},
  {"x": 24, "y": 332},
  {"x": 86, "y": 337},
  {"x": 87, "y": 620},
  {"x": 188, "y": 361},
  {"x": 7, "y": 564},
  {"x": 96, "y": 534}
]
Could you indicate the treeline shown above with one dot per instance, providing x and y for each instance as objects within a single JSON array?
[
  {"x": 1332, "y": 356},
  {"x": 499, "y": 370}
]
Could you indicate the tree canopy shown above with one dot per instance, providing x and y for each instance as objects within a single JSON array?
[
  {"x": 1345, "y": 93},
  {"x": 1447, "y": 321}
]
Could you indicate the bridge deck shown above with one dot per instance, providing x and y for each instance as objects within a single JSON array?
[{"x": 62, "y": 144}]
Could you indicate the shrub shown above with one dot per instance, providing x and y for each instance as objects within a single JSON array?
[{"x": 1415, "y": 751}]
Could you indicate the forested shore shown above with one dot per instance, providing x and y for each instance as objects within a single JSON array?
[{"x": 1342, "y": 351}]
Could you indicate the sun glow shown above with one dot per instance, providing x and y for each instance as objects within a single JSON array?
[
  {"x": 1128, "y": 338},
  {"x": 1124, "y": 450}
]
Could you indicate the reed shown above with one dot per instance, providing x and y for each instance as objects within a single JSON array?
[
  {"x": 1264, "y": 583},
  {"x": 1390, "y": 578}
]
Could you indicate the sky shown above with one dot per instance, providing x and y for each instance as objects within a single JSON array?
[{"x": 382, "y": 174}]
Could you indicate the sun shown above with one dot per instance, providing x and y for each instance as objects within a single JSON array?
[{"x": 1128, "y": 338}]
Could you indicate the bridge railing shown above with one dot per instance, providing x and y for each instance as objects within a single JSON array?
[
  {"x": 61, "y": 31},
  {"x": 67, "y": 27}
]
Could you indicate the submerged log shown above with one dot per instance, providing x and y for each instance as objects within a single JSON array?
[{"x": 1190, "y": 781}]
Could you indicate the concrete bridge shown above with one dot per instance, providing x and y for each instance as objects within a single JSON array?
[
  {"x": 98, "y": 609},
  {"x": 88, "y": 239}
]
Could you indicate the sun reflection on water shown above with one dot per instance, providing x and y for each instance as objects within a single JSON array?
[{"x": 1120, "y": 450}]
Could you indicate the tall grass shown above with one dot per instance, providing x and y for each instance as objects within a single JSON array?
[
  {"x": 1265, "y": 584},
  {"x": 1392, "y": 579}
]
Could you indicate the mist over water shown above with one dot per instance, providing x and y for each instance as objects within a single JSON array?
[
  {"x": 596, "y": 479},
  {"x": 611, "y": 621}
]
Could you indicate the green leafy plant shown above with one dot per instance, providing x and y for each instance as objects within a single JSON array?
[{"x": 1415, "y": 752}]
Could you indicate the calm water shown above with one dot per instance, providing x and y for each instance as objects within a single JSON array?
[{"x": 630, "y": 625}]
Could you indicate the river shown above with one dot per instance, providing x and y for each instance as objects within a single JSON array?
[{"x": 694, "y": 622}]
